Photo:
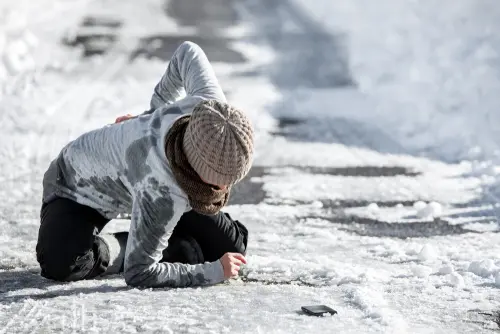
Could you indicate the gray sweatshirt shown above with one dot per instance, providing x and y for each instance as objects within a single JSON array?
[{"x": 122, "y": 168}]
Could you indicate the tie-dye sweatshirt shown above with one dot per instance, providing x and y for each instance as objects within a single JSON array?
[{"x": 122, "y": 168}]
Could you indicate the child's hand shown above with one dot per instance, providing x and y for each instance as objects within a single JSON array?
[
  {"x": 123, "y": 118},
  {"x": 231, "y": 263}
]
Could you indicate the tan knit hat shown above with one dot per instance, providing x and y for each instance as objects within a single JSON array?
[{"x": 218, "y": 143}]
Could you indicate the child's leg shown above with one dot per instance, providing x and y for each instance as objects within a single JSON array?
[
  {"x": 67, "y": 247},
  {"x": 212, "y": 235}
]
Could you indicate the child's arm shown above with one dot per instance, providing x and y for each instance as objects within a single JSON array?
[
  {"x": 189, "y": 70},
  {"x": 152, "y": 222}
]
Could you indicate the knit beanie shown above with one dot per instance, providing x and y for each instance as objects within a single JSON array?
[{"x": 218, "y": 143}]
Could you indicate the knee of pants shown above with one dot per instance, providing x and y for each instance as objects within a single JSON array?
[
  {"x": 216, "y": 234},
  {"x": 59, "y": 265},
  {"x": 242, "y": 237}
]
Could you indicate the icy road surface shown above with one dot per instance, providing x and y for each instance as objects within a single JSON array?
[{"x": 374, "y": 189}]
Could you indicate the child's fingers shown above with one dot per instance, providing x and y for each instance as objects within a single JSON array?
[
  {"x": 236, "y": 262},
  {"x": 240, "y": 257},
  {"x": 123, "y": 118}
]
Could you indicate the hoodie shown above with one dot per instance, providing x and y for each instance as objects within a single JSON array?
[{"x": 122, "y": 168}]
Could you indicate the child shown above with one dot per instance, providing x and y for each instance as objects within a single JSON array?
[{"x": 180, "y": 155}]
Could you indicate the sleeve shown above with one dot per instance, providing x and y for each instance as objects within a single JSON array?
[
  {"x": 189, "y": 70},
  {"x": 151, "y": 225}
]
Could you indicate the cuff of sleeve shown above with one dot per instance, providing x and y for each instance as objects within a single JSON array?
[{"x": 215, "y": 272}]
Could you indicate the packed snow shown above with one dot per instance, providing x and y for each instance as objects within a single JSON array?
[{"x": 379, "y": 193}]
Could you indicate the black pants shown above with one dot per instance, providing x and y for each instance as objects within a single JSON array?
[{"x": 68, "y": 249}]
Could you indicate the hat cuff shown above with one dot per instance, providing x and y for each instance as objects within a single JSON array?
[{"x": 204, "y": 170}]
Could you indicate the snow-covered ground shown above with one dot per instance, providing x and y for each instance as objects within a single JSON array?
[{"x": 375, "y": 181}]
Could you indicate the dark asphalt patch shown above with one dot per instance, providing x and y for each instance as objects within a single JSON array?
[
  {"x": 209, "y": 17},
  {"x": 359, "y": 171},
  {"x": 101, "y": 21},
  {"x": 214, "y": 14},
  {"x": 337, "y": 130},
  {"x": 307, "y": 56},
  {"x": 302, "y": 60},
  {"x": 276, "y": 282},
  {"x": 250, "y": 191},
  {"x": 163, "y": 47},
  {"x": 284, "y": 122},
  {"x": 401, "y": 230},
  {"x": 92, "y": 41},
  {"x": 346, "y": 204},
  {"x": 489, "y": 319}
]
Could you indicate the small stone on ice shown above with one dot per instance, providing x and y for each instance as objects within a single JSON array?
[
  {"x": 419, "y": 205},
  {"x": 456, "y": 279},
  {"x": 446, "y": 269},
  {"x": 427, "y": 253}
]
